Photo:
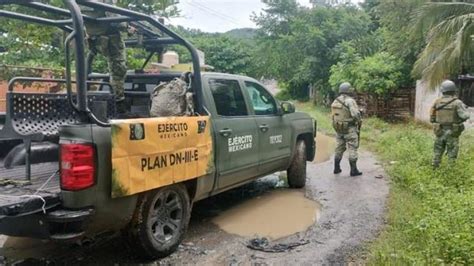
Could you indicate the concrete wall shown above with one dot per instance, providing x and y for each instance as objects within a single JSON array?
[{"x": 425, "y": 99}]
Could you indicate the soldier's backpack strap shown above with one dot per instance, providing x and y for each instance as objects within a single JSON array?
[
  {"x": 343, "y": 104},
  {"x": 446, "y": 104}
]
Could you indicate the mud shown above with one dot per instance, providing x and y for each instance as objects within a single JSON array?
[
  {"x": 22, "y": 248},
  {"x": 274, "y": 215},
  {"x": 324, "y": 148},
  {"x": 352, "y": 213}
]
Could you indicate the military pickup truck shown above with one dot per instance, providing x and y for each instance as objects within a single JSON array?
[{"x": 80, "y": 171}]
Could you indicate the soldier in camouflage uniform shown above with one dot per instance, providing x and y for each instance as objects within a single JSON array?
[
  {"x": 447, "y": 115},
  {"x": 105, "y": 39},
  {"x": 346, "y": 119}
]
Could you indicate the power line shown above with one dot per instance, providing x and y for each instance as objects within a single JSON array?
[
  {"x": 223, "y": 17},
  {"x": 209, "y": 11},
  {"x": 215, "y": 11}
]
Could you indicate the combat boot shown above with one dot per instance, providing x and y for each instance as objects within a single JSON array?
[
  {"x": 337, "y": 165},
  {"x": 354, "y": 170}
]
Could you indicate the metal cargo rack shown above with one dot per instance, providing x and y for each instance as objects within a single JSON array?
[{"x": 35, "y": 117}]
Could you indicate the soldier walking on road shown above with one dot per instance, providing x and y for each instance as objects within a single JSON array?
[
  {"x": 346, "y": 119},
  {"x": 447, "y": 115},
  {"x": 105, "y": 39}
]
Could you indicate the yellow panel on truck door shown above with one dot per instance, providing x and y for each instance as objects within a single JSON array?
[{"x": 150, "y": 153}]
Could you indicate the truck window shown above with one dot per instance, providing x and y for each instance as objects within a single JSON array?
[
  {"x": 228, "y": 97},
  {"x": 262, "y": 101}
]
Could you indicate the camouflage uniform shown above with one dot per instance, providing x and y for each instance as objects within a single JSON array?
[
  {"x": 105, "y": 39},
  {"x": 346, "y": 119},
  {"x": 346, "y": 127},
  {"x": 447, "y": 115}
]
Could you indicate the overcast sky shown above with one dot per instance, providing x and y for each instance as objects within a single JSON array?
[{"x": 220, "y": 15}]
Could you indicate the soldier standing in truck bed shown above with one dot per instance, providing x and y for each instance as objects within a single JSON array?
[
  {"x": 105, "y": 39},
  {"x": 346, "y": 119},
  {"x": 447, "y": 115}
]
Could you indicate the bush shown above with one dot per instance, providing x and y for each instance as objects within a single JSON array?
[{"x": 378, "y": 74}]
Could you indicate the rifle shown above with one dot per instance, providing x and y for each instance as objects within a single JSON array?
[{"x": 359, "y": 127}]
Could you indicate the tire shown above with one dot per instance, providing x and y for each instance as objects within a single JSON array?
[
  {"x": 297, "y": 171},
  {"x": 160, "y": 221}
]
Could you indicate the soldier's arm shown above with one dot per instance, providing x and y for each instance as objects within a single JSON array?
[
  {"x": 354, "y": 108},
  {"x": 433, "y": 113},
  {"x": 462, "y": 111}
]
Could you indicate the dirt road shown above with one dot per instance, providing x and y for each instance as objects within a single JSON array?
[{"x": 350, "y": 212}]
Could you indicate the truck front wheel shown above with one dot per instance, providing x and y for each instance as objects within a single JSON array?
[
  {"x": 297, "y": 171},
  {"x": 160, "y": 222}
]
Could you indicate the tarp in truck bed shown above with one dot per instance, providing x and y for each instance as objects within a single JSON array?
[{"x": 18, "y": 196}]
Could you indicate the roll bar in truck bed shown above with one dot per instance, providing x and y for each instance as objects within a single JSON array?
[{"x": 30, "y": 124}]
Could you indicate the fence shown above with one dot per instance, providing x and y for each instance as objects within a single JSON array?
[{"x": 399, "y": 105}]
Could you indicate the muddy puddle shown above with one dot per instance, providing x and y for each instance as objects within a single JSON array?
[
  {"x": 275, "y": 214},
  {"x": 324, "y": 147}
]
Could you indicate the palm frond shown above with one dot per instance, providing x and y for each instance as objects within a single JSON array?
[
  {"x": 435, "y": 12},
  {"x": 449, "y": 41}
]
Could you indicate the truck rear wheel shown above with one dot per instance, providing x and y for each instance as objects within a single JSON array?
[
  {"x": 297, "y": 171},
  {"x": 160, "y": 222}
]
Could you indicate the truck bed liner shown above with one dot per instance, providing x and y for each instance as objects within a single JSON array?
[{"x": 18, "y": 196}]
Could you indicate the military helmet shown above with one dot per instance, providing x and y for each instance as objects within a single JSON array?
[
  {"x": 448, "y": 86},
  {"x": 345, "y": 87}
]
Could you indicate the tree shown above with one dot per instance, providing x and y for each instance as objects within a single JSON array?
[
  {"x": 449, "y": 48},
  {"x": 297, "y": 45},
  {"x": 225, "y": 54},
  {"x": 394, "y": 20},
  {"x": 30, "y": 44},
  {"x": 378, "y": 74},
  {"x": 162, "y": 8}
]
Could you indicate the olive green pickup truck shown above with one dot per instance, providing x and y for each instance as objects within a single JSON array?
[{"x": 67, "y": 148}]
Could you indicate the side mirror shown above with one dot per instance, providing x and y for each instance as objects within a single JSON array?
[{"x": 287, "y": 107}]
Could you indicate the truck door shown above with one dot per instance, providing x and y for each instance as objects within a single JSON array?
[
  {"x": 236, "y": 133},
  {"x": 273, "y": 129}
]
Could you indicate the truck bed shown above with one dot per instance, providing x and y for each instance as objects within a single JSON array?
[{"x": 18, "y": 196}]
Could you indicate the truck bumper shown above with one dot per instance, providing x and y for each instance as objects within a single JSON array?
[{"x": 57, "y": 225}]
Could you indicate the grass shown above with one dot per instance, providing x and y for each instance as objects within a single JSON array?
[
  {"x": 321, "y": 114},
  {"x": 430, "y": 217}
]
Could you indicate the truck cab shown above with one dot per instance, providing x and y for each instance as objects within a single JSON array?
[{"x": 254, "y": 136}]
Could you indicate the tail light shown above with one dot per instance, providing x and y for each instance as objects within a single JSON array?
[{"x": 77, "y": 166}]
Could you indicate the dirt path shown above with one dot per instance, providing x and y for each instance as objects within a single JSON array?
[{"x": 351, "y": 212}]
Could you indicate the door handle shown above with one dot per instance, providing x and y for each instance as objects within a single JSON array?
[
  {"x": 263, "y": 128},
  {"x": 226, "y": 132}
]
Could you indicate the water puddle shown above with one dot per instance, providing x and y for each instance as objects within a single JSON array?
[
  {"x": 274, "y": 215},
  {"x": 324, "y": 147}
]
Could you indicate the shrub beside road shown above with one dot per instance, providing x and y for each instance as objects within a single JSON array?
[{"x": 430, "y": 213}]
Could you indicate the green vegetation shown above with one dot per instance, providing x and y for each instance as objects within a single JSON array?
[
  {"x": 378, "y": 74},
  {"x": 430, "y": 212},
  {"x": 30, "y": 44},
  {"x": 374, "y": 45},
  {"x": 449, "y": 44},
  {"x": 298, "y": 46},
  {"x": 321, "y": 114},
  {"x": 430, "y": 217}
]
